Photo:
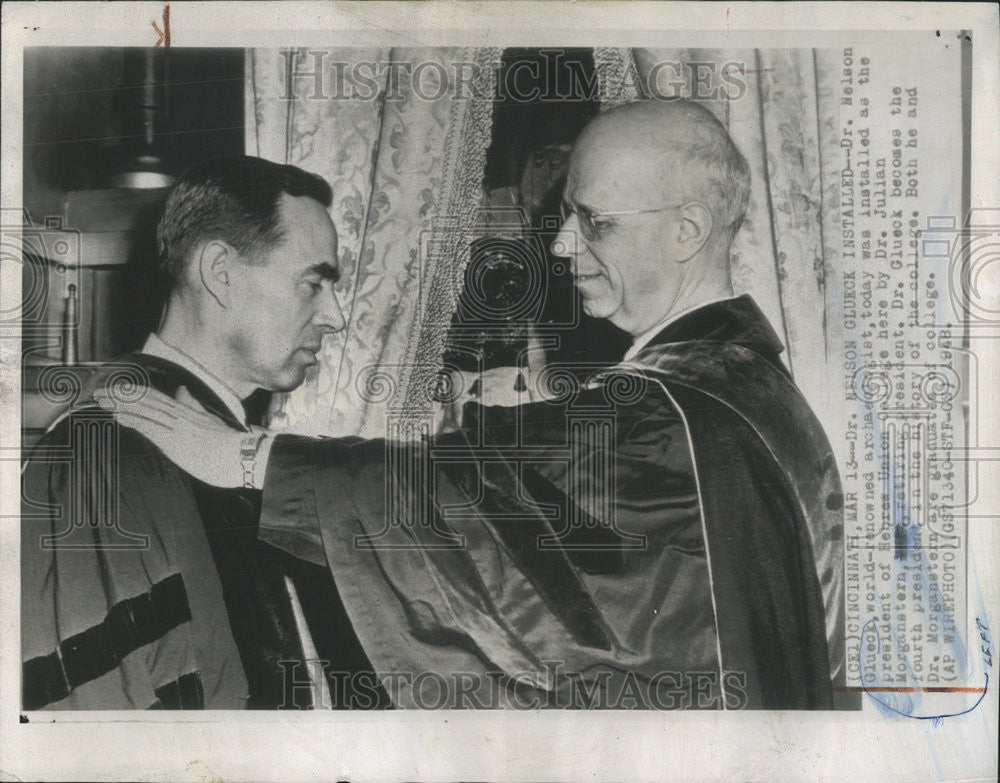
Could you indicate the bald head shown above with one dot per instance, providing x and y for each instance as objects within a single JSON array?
[
  {"x": 667, "y": 152},
  {"x": 655, "y": 192}
]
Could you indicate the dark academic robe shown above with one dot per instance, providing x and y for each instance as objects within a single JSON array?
[
  {"x": 143, "y": 588},
  {"x": 668, "y": 536}
]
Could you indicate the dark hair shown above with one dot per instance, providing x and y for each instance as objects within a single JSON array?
[{"x": 233, "y": 198}]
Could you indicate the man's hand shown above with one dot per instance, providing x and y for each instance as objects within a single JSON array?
[{"x": 194, "y": 440}]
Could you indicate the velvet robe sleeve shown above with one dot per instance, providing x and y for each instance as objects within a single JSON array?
[
  {"x": 653, "y": 541},
  {"x": 454, "y": 557}
]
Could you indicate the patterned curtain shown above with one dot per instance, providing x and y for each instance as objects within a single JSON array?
[{"x": 406, "y": 165}]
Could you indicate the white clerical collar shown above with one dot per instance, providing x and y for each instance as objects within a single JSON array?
[
  {"x": 156, "y": 347},
  {"x": 643, "y": 339}
]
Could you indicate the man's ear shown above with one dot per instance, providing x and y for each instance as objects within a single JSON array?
[
  {"x": 693, "y": 230},
  {"x": 215, "y": 265}
]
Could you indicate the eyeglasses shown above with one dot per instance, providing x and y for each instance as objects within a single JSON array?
[{"x": 590, "y": 221}]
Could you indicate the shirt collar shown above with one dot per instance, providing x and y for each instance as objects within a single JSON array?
[
  {"x": 155, "y": 346},
  {"x": 643, "y": 339}
]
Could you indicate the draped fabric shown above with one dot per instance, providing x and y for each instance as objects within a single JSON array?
[
  {"x": 723, "y": 501},
  {"x": 405, "y": 163}
]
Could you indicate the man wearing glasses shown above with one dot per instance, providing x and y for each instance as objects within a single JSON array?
[
  {"x": 667, "y": 536},
  {"x": 686, "y": 187}
]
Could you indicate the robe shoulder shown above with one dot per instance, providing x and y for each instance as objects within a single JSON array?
[{"x": 119, "y": 596}]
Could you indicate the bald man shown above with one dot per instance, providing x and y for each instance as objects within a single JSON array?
[
  {"x": 667, "y": 536},
  {"x": 654, "y": 195}
]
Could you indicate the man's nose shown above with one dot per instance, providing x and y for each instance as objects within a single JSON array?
[
  {"x": 329, "y": 317},
  {"x": 567, "y": 241}
]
